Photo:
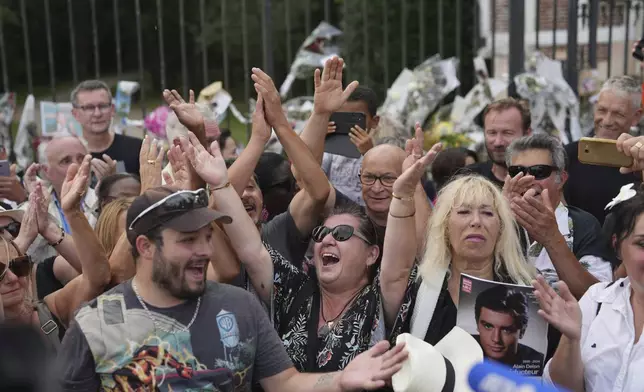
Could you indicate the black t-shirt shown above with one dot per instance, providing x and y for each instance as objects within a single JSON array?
[
  {"x": 591, "y": 187},
  {"x": 484, "y": 169},
  {"x": 125, "y": 151}
]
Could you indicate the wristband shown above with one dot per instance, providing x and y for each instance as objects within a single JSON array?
[
  {"x": 402, "y": 217},
  {"x": 226, "y": 185},
  {"x": 62, "y": 237},
  {"x": 405, "y": 198}
]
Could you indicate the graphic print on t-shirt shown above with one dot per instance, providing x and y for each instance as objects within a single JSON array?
[{"x": 152, "y": 360}]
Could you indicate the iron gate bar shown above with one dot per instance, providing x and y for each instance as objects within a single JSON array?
[
  {"x": 626, "y": 36},
  {"x": 421, "y": 25},
  {"x": 386, "y": 39},
  {"x": 537, "y": 22},
  {"x": 182, "y": 44},
  {"x": 246, "y": 66},
  {"x": 204, "y": 49},
  {"x": 459, "y": 46},
  {"x": 611, "y": 9},
  {"x": 365, "y": 43},
  {"x": 267, "y": 38},
  {"x": 493, "y": 38},
  {"x": 50, "y": 52},
  {"x": 327, "y": 11},
  {"x": 475, "y": 35},
  {"x": 592, "y": 34},
  {"x": 139, "y": 42},
  {"x": 571, "y": 60},
  {"x": 517, "y": 41},
  {"x": 224, "y": 45},
  {"x": 289, "y": 45},
  {"x": 117, "y": 39},
  {"x": 162, "y": 68},
  {"x": 97, "y": 59},
  {"x": 72, "y": 40},
  {"x": 307, "y": 24},
  {"x": 25, "y": 35},
  {"x": 403, "y": 33},
  {"x": 554, "y": 30},
  {"x": 441, "y": 49},
  {"x": 3, "y": 58}
]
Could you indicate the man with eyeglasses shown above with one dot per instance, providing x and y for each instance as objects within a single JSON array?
[
  {"x": 170, "y": 329},
  {"x": 94, "y": 110}
]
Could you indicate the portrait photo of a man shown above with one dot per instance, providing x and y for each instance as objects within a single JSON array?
[{"x": 501, "y": 315}]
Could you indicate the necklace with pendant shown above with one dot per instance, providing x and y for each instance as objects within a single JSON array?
[
  {"x": 156, "y": 324},
  {"x": 328, "y": 325}
]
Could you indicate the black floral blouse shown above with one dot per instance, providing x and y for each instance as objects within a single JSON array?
[{"x": 296, "y": 317}]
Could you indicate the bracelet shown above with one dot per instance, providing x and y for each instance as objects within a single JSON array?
[
  {"x": 405, "y": 198},
  {"x": 226, "y": 185},
  {"x": 402, "y": 217},
  {"x": 62, "y": 236}
]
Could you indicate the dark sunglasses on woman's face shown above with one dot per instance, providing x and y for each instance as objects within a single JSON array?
[
  {"x": 12, "y": 228},
  {"x": 340, "y": 233},
  {"x": 539, "y": 172},
  {"x": 20, "y": 266}
]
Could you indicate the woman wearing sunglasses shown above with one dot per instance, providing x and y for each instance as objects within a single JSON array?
[
  {"x": 55, "y": 311},
  {"x": 471, "y": 231},
  {"x": 341, "y": 308}
]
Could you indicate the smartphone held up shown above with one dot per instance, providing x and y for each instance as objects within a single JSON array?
[{"x": 602, "y": 152}]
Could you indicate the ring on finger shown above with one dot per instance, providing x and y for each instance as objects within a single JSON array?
[
  {"x": 151, "y": 162},
  {"x": 638, "y": 145}
]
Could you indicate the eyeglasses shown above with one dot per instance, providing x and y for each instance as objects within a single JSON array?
[
  {"x": 20, "y": 266},
  {"x": 370, "y": 179},
  {"x": 102, "y": 107},
  {"x": 539, "y": 172},
  {"x": 12, "y": 228},
  {"x": 176, "y": 202},
  {"x": 340, "y": 233}
]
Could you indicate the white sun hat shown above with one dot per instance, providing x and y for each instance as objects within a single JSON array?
[{"x": 440, "y": 368}]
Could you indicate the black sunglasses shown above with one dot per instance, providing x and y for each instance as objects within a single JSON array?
[
  {"x": 539, "y": 172},
  {"x": 12, "y": 228},
  {"x": 20, "y": 266},
  {"x": 340, "y": 233},
  {"x": 176, "y": 202}
]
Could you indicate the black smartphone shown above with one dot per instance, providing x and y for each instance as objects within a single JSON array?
[
  {"x": 338, "y": 142},
  {"x": 637, "y": 53}
]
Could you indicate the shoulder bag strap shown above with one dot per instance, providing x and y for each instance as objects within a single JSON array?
[
  {"x": 426, "y": 300},
  {"x": 47, "y": 325}
]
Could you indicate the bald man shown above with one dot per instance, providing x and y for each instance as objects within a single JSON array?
[
  {"x": 55, "y": 157},
  {"x": 381, "y": 166}
]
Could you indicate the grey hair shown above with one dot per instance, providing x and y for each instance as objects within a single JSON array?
[
  {"x": 625, "y": 85},
  {"x": 44, "y": 145},
  {"x": 89, "y": 85},
  {"x": 539, "y": 141},
  {"x": 174, "y": 129}
]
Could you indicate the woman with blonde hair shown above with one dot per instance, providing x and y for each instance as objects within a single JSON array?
[
  {"x": 471, "y": 231},
  {"x": 111, "y": 223}
]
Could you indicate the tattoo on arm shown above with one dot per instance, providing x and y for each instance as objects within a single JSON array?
[{"x": 325, "y": 380}]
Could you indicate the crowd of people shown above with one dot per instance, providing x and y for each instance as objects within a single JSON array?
[{"x": 126, "y": 265}]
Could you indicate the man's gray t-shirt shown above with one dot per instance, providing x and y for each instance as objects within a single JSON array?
[
  {"x": 114, "y": 345},
  {"x": 282, "y": 234}
]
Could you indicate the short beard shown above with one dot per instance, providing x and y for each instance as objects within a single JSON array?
[
  {"x": 491, "y": 158},
  {"x": 171, "y": 278}
]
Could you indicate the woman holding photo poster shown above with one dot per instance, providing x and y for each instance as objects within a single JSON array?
[
  {"x": 471, "y": 231},
  {"x": 601, "y": 349}
]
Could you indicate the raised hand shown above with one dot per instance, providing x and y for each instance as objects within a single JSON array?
[
  {"x": 260, "y": 129},
  {"x": 103, "y": 168},
  {"x": 373, "y": 368},
  {"x": 561, "y": 310},
  {"x": 29, "y": 224},
  {"x": 75, "y": 185},
  {"x": 517, "y": 186},
  {"x": 536, "y": 215},
  {"x": 414, "y": 148},
  {"x": 31, "y": 177},
  {"x": 210, "y": 166},
  {"x": 150, "y": 163},
  {"x": 40, "y": 204},
  {"x": 361, "y": 139},
  {"x": 405, "y": 185},
  {"x": 187, "y": 112},
  {"x": 180, "y": 170},
  {"x": 272, "y": 102},
  {"x": 11, "y": 188},
  {"x": 632, "y": 146},
  {"x": 329, "y": 96}
]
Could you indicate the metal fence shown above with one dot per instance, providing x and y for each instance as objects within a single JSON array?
[{"x": 503, "y": 31}]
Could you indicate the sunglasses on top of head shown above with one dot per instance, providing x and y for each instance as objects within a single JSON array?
[
  {"x": 340, "y": 233},
  {"x": 176, "y": 202},
  {"x": 539, "y": 172},
  {"x": 19, "y": 266}
]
